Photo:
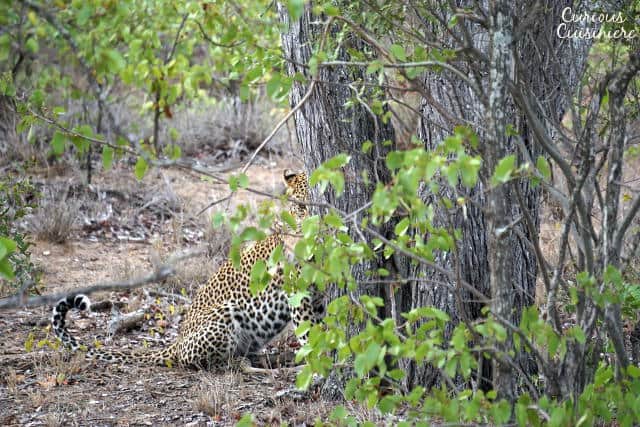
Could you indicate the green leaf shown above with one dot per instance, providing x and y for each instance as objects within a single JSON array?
[
  {"x": 543, "y": 166},
  {"x": 469, "y": 167},
  {"x": 217, "y": 219},
  {"x": 503, "y": 170},
  {"x": 365, "y": 361},
  {"x": 173, "y": 151},
  {"x": 289, "y": 219},
  {"x": 338, "y": 161},
  {"x": 28, "y": 344},
  {"x": 331, "y": 10},
  {"x": 259, "y": 277},
  {"x": 395, "y": 160},
  {"x": 295, "y": 8},
  {"x": 238, "y": 181},
  {"x": 233, "y": 183},
  {"x": 303, "y": 328},
  {"x": 577, "y": 333},
  {"x": 366, "y": 146},
  {"x": 402, "y": 227},
  {"x": 243, "y": 180},
  {"x": 633, "y": 371},
  {"x": 387, "y": 404},
  {"x": 6, "y": 270},
  {"x": 459, "y": 339},
  {"x": 511, "y": 130},
  {"x": 251, "y": 234},
  {"x": 374, "y": 67},
  {"x": 304, "y": 378},
  {"x": 245, "y": 421},
  {"x": 398, "y": 52},
  {"x": 273, "y": 86},
  {"x": 334, "y": 221},
  {"x": 7, "y": 246},
  {"x": 141, "y": 167},
  {"x": 57, "y": 143},
  {"x": 339, "y": 413},
  {"x": 107, "y": 157},
  {"x": 612, "y": 275},
  {"x": 5, "y": 46},
  {"x": 115, "y": 60},
  {"x": 32, "y": 45},
  {"x": 501, "y": 412},
  {"x": 296, "y": 299}
]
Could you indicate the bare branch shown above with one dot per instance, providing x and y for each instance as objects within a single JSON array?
[
  {"x": 158, "y": 275},
  {"x": 304, "y": 99}
]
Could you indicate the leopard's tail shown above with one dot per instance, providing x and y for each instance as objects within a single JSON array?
[
  {"x": 58, "y": 323},
  {"x": 81, "y": 302}
]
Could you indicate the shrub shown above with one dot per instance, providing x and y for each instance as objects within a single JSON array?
[{"x": 17, "y": 198}]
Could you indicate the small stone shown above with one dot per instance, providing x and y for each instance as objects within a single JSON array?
[{"x": 46, "y": 253}]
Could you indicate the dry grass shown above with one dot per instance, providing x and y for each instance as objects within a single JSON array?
[
  {"x": 213, "y": 397},
  {"x": 230, "y": 128},
  {"x": 55, "y": 216},
  {"x": 12, "y": 379},
  {"x": 54, "y": 419},
  {"x": 217, "y": 240},
  {"x": 57, "y": 369},
  {"x": 193, "y": 272}
]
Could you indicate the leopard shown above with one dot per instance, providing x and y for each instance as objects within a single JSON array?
[{"x": 225, "y": 319}]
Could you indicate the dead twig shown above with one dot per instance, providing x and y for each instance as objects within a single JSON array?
[
  {"x": 125, "y": 321},
  {"x": 159, "y": 274},
  {"x": 104, "y": 305},
  {"x": 304, "y": 99}
]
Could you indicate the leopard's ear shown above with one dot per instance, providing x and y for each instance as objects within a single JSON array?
[{"x": 289, "y": 175}]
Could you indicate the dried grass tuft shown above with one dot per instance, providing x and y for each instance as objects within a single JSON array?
[
  {"x": 55, "y": 216},
  {"x": 230, "y": 129},
  {"x": 213, "y": 397}
]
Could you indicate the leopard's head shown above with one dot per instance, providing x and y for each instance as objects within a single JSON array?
[{"x": 297, "y": 191}]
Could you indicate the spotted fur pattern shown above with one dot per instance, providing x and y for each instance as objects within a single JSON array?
[{"x": 225, "y": 319}]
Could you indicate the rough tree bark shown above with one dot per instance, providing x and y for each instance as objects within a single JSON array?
[
  {"x": 501, "y": 239},
  {"x": 8, "y": 122},
  {"x": 325, "y": 128}
]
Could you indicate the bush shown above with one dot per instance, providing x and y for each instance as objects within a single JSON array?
[{"x": 17, "y": 198}]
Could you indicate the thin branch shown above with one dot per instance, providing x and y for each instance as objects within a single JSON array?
[
  {"x": 176, "y": 39},
  {"x": 158, "y": 275},
  {"x": 75, "y": 134},
  {"x": 304, "y": 99},
  {"x": 214, "y": 43}
]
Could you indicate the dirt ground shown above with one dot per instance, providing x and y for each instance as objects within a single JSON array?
[{"x": 112, "y": 241}]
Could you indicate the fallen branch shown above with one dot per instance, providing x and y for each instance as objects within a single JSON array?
[
  {"x": 105, "y": 305},
  {"x": 125, "y": 321},
  {"x": 161, "y": 273}
]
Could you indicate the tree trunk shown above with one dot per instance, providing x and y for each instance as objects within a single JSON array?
[
  {"x": 325, "y": 127},
  {"x": 8, "y": 121},
  {"x": 501, "y": 240}
]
